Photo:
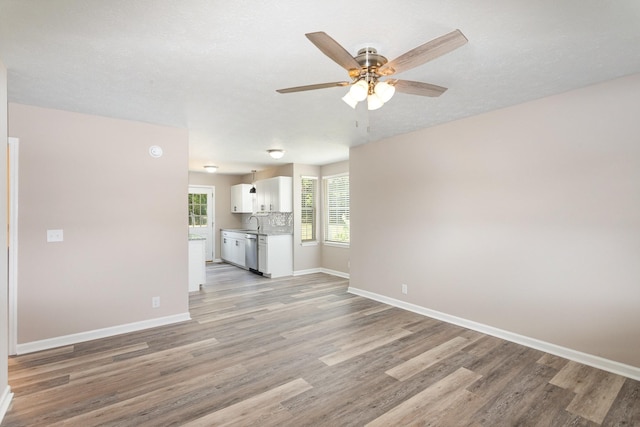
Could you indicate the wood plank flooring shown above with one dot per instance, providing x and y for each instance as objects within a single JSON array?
[{"x": 301, "y": 351}]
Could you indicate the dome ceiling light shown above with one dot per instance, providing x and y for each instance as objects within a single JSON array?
[{"x": 276, "y": 153}]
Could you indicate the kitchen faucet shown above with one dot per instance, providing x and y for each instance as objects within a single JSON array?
[{"x": 257, "y": 221}]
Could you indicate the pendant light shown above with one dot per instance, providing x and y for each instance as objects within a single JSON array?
[{"x": 253, "y": 185}]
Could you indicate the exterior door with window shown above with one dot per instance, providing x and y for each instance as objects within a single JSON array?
[{"x": 201, "y": 216}]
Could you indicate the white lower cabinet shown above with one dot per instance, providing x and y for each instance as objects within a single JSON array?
[
  {"x": 275, "y": 252},
  {"x": 232, "y": 248},
  {"x": 275, "y": 255}
]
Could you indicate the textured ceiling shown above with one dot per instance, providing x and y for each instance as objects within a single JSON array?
[{"x": 213, "y": 66}]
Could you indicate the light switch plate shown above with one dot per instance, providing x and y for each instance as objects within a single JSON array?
[{"x": 55, "y": 236}]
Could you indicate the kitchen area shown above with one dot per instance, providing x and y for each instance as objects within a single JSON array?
[
  {"x": 275, "y": 208},
  {"x": 265, "y": 245}
]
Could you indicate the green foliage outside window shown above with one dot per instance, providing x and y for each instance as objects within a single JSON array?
[{"x": 197, "y": 210}]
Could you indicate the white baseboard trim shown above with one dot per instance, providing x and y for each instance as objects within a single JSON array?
[
  {"x": 321, "y": 270},
  {"x": 49, "y": 343},
  {"x": 5, "y": 401},
  {"x": 308, "y": 271},
  {"x": 577, "y": 356}
]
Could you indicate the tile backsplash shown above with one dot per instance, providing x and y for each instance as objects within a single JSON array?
[{"x": 274, "y": 222}]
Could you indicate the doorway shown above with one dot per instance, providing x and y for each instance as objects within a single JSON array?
[{"x": 202, "y": 216}]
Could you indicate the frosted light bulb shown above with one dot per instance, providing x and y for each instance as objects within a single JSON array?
[
  {"x": 374, "y": 102},
  {"x": 384, "y": 90},
  {"x": 350, "y": 100},
  {"x": 359, "y": 90}
]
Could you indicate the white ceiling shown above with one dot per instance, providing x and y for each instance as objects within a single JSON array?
[{"x": 213, "y": 66}]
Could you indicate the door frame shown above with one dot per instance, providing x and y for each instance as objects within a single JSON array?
[
  {"x": 211, "y": 215},
  {"x": 12, "y": 295}
]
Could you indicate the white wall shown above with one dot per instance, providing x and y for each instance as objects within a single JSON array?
[
  {"x": 525, "y": 219},
  {"x": 123, "y": 214}
]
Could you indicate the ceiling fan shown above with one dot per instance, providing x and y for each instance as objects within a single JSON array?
[{"x": 368, "y": 67}]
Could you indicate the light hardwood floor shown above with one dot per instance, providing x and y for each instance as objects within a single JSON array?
[{"x": 301, "y": 351}]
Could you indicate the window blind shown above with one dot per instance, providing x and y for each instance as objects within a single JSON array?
[
  {"x": 337, "y": 209},
  {"x": 308, "y": 208}
]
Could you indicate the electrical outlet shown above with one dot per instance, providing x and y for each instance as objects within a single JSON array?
[
  {"x": 55, "y": 236},
  {"x": 155, "y": 302},
  {"x": 405, "y": 289}
]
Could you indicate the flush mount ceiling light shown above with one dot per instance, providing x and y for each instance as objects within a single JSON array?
[
  {"x": 368, "y": 67},
  {"x": 276, "y": 153},
  {"x": 211, "y": 168}
]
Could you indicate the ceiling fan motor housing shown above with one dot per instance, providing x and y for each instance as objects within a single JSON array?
[{"x": 369, "y": 61}]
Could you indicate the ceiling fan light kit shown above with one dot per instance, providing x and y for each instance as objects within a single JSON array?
[
  {"x": 367, "y": 67},
  {"x": 376, "y": 94}
]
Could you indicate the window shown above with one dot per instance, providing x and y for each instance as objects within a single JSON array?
[
  {"x": 309, "y": 190},
  {"x": 336, "y": 221},
  {"x": 197, "y": 210}
]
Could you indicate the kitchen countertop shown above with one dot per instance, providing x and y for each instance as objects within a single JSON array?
[{"x": 260, "y": 233}]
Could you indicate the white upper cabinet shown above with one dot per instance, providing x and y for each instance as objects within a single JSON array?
[
  {"x": 241, "y": 199},
  {"x": 275, "y": 194}
]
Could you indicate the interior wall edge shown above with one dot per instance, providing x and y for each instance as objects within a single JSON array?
[{"x": 5, "y": 401}]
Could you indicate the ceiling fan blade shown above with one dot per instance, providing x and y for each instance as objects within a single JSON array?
[
  {"x": 333, "y": 50},
  {"x": 424, "y": 53},
  {"x": 312, "y": 87},
  {"x": 418, "y": 88}
]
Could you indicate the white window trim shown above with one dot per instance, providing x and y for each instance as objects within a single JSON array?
[{"x": 324, "y": 212}]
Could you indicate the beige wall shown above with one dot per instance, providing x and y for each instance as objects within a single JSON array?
[
  {"x": 123, "y": 216},
  {"x": 4, "y": 327},
  {"x": 336, "y": 258},
  {"x": 309, "y": 256},
  {"x": 282, "y": 170},
  {"x": 222, "y": 183},
  {"x": 526, "y": 219}
]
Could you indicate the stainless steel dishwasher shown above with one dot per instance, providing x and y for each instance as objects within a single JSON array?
[{"x": 251, "y": 252}]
